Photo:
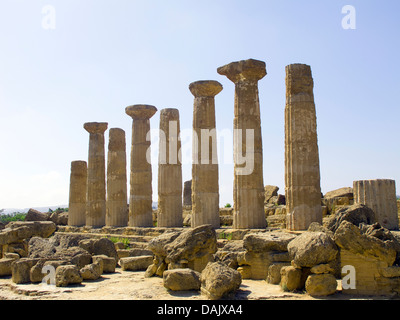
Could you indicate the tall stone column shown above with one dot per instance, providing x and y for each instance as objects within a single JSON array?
[
  {"x": 169, "y": 213},
  {"x": 117, "y": 202},
  {"x": 302, "y": 174},
  {"x": 140, "y": 199},
  {"x": 205, "y": 187},
  {"x": 96, "y": 180},
  {"x": 77, "y": 194},
  {"x": 380, "y": 196},
  {"x": 248, "y": 188}
]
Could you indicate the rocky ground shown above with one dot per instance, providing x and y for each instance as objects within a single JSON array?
[{"x": 132, "y": 285}]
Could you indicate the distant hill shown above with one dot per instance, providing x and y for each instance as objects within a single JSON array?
[
  {"x": 45, "y": 209},
  {"x": 24, "y": 210}
]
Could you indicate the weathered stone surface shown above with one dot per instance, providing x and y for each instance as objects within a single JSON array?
[
  {"x": 267, "y": 241},
  {"x": 205, "y": 185},
  {"x": 158, "y": 244},
  {"x": 312, "y": 248},
  {"x": 321, "y": 284},
  {"x": 350, "y": 237},
  {"x": 91, "y": 271},
  {"x": 193, "y": 248},
  {"x": 248, "y": 187},
  {"x": 21, "y": 268},
  {"x": 117, "y": 197},
  {"x": 380, "y": 196},
  {"x": 96, "y": 175},
  {"x": 302, "y": 173},
  {"x": 274, "y": 272},
  {"x": 338, "y": 193},
  {"x": 68, "y": 274},
  {"x": 136, "y": 263},
  {"x": 108, "y": 264},
  {"x": 290, "y": 278},
  {"x": 356, "y": 214},
  {"x": 59, "y": 218},
  {"x": 218, "y": 280},
  {"x": 270, "y": 191},
  {"x": 169, "y": 211},
  {"x": 20, "y": 230},
  {"x": 53, "y": 249},
  {"x": 36, "y": 274},
  {"x": 35, "y": 215},
  {"x": 140, "y": 199},
  {"x": 228, "y": 254},
  {"x": 322, "y": 268},
  {"x": 5, "y": 266},
  {"x": 181, "y": 279},
  {"x": 77, "y": 194},
  {"x": 99, "y": 246}
]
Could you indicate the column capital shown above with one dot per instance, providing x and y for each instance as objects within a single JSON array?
[
  {"x": 140, "y": 111},
  {"x": 205, "y": 88},
  {"x": 169, "y": 113},
  {"x": 95, "y": 127},
  {"x": 250, "y": 69}
]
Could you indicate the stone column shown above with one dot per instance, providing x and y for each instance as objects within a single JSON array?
[
  {"x": 380, "y": 196},
  {"x": 96, "y": 180},
  {"x": 187, "y": 194},
  {"x": 117, "y": 203},
  {"x": 77, "y": 194},
  {"x": 140, "y": 200},
  {"x": 169, "y": 213},
  {"x": 248, "y": 188},
  {"x": 205, "y": 188},
  {"x": 302, "y": 174}
]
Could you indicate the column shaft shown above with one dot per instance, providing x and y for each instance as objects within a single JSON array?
[
  {"x": 77, "y": 194},
  {"x": 205, "y": 185},
  {"x": 117, "y": 203},
  {"x": 96, "y": 180},
  {"x": 302, "y": 173},
  {"x": 169, "y": 213},
  {"x": 140, "y": 200}
]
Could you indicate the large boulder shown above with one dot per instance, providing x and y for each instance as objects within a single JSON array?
[
  {"x": 5, "y": 266},
  {"x": 321, "y": 284},
  {"x": 291, "y": 278},
  {"x": 350, "y": 237},
  {"x": 35, "y": 215},
  {"x": 191, "y": 245},
  {"x": 59, "y": 218},
  {"x": 68, "y": 274},
  {"x": 218, "y": 280},
  {"x": 99, "y": 246},
  {"x": 267, "y": 241},
  {"x": 312, "y": 248},
  {"x": 192, "y": 248},
  {"x": 21, "y": 270},
  {"x": 92, "y": 271},
  {"x": 19, "y": 230},
  {"x": 136, "y": 263},
  {"x": 51, "y": 249},
  {"x": 181, "y": 279},
  {"x": 356, "y": 214},
  {"x": 269, "y": 192}
]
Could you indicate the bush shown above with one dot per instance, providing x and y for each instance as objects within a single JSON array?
[
  {"x": 228, "y": 205},
  {"x": 16, "y": 216}
]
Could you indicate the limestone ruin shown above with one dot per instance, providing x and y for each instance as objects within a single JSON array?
[{"x": 344, "y": 244}]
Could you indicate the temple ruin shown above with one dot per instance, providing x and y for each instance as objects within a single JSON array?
[{"x": 302, "y": 241}]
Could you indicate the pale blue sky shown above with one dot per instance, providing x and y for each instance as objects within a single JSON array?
[{"x": 105, "y": 55}]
